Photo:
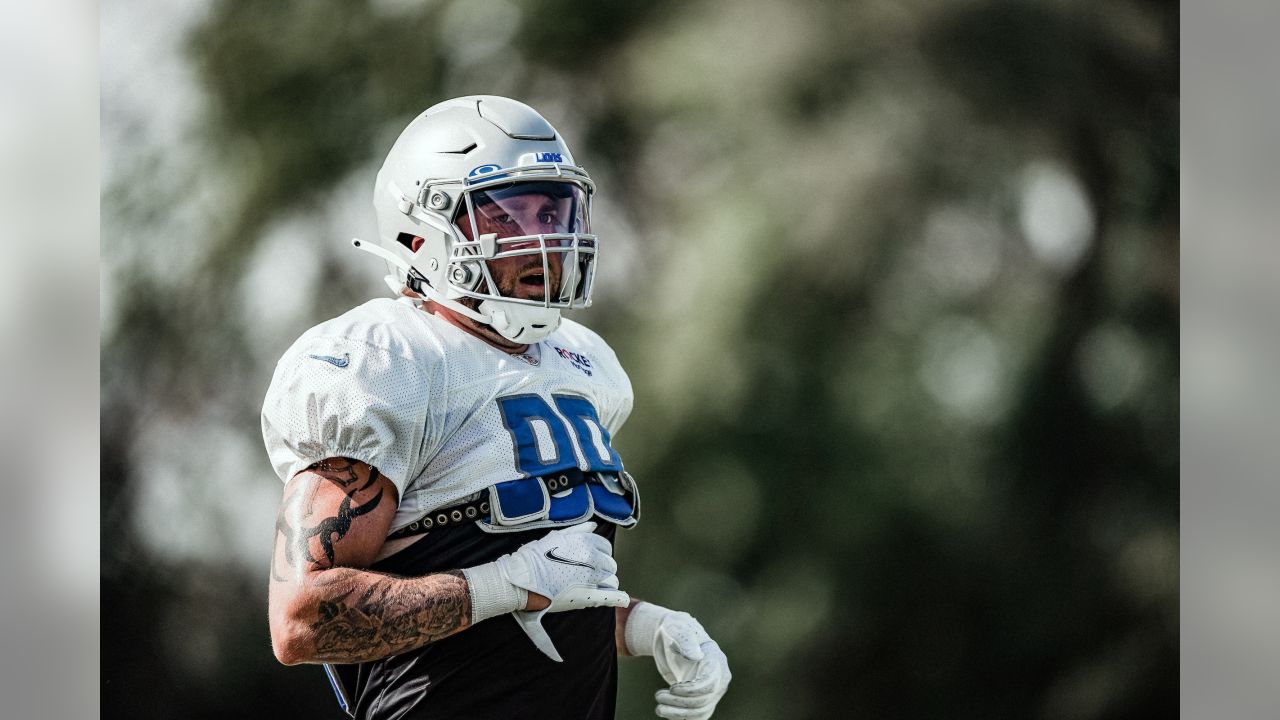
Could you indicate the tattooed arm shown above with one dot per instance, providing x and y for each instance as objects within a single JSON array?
[{"x": 323, "y": 606}]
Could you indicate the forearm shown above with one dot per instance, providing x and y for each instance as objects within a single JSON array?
[{"x": 347, "y": 615}]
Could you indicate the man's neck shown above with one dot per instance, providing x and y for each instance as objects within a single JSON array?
[{"x": 473, "y": 328}]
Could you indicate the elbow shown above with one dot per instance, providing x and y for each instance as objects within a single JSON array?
[
  {"x": 288, "y": 650},
  {"x": 290, "y": 641}
]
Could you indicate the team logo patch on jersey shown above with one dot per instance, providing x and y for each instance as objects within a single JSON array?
[
  {"x": 531, "y": 359},
  {"x": 577, "y": 360}
]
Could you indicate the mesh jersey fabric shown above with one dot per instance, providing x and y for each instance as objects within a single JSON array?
[{"x": 416, "y": 397}]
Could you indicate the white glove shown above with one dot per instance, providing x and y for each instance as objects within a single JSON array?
[
  {"x": 687, "y": 658},
  {"x": 573, "y": 567}
]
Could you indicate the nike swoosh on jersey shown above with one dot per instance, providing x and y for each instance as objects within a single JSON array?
[
  {"x": 556, "y": 558},
  {"x": 341, "y": 362}
]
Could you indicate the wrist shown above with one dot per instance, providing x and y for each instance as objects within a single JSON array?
[
  {"x": 491, "y": 594},
  {"x": 642, "y": 627}
]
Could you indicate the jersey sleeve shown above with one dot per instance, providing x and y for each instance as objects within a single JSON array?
[
  {"x": 337, "y": 397},
  {"x": 618, "y": 412}
]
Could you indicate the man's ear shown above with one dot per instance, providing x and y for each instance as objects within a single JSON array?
[{"x": 416, "y": 243}]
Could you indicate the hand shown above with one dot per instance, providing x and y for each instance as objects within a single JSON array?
[
  {"x": 687, "y": 658},
  {"x": 572, "y": 567}
]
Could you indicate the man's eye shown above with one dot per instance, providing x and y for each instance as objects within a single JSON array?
[
  {"x": 547, "y": 218},
  {"x": 504, "y": 219}
]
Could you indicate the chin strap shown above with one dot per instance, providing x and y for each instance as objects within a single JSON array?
[
  {"x": 521, "y": 323},
  {"x": 517, "y": 323}
]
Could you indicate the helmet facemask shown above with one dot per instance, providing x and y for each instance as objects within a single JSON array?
[{"x": 524, "y": 243}]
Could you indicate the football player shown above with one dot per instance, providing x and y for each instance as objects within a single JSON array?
[{"x": 444, "y": 543}]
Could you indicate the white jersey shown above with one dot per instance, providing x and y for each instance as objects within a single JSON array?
[{"x": 439, "y": 412}]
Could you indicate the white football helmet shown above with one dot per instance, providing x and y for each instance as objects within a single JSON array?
[{"x": 483, "y": 178}]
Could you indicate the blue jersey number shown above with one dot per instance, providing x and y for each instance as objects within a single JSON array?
[{"x": 545, "y": 443}]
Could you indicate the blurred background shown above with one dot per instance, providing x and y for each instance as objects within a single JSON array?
[{"x": 897, "y": 284}]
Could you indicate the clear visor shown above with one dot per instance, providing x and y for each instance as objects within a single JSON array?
[
  {"x": 523, "y": 209},
  {"x": 534, "y": 235}
]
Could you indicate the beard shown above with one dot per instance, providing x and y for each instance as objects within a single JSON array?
[{"x": 522, "y": 282}]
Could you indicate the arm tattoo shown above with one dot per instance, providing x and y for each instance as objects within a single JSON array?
[
  {"x": 297, "y": 540},
  {"x": 353, "y": 614},
  {"x": 388, "y": 615}
]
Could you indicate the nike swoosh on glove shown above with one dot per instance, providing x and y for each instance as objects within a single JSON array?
[
  {"x": 573, "y": 567},
  {"x": 693, "y": 665}
]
